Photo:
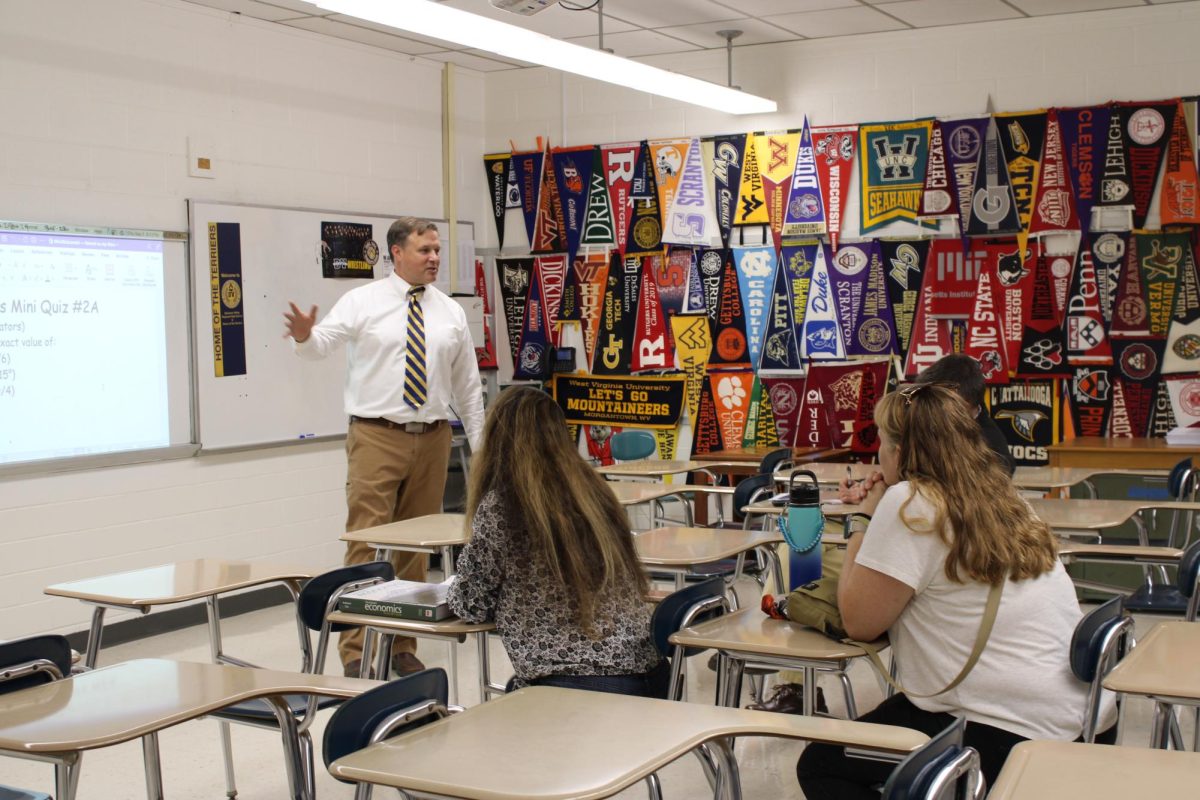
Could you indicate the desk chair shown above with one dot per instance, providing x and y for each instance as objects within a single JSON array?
[
  {"x": 1100, "y": 641},
  {"x": 633, "y": 445},
  {"x": 381, "y": 713},
  {"x": 699, "y": 602},
  {"x": 1161, "y": 597},
  {"x": 941, "y": 765},
  {"x": 30, "y": 662},
  {"x": 317, "y": 599}
]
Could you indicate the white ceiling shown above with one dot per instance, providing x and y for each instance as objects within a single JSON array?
[{"x": 651, "y": 27}]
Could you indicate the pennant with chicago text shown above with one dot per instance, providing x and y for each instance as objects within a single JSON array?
[
  {"x": 693, "y": 345},
  {"x": 1053, "y": 203},
  {"x": 776, "y": 154},
  {"x": 645, "y": 224},
  {"x": 752, "y": 201},
  {"x": 875, "y": 329},
  {"x": 779, "y": 348},
  {"x": 620, "y": 164},
  {"x": 515, "y": 276},
  {"x": 598, "y": 226},
  {"x": 726, "y": 157},
  {"x": 614, "y": 345},
  {"x": 1029, "y": 414},
  {"x": 1083, "y": 133},
  {"x": 834, "y": 148},
  {"x": 848, "y": 272},
  {"x": 963, "y": 140},
  {"x": 1043, "y": 348},
  {"x": 730, "y": 348},
  {"x": 903, "y": 268},
  {"x": 1021, "y": 138},
  {"x": 535, "y": 333},
  {"x": 939, "y": 195},
  {"x": 785, "y": 395},
  {"x": 1145, "y": 133},
  {"x": 760, "y": 428},
  {"x": 527, "y": 167},
  {"x": 821, "y": 336},
  {"x": 755, "y": 269},
  {"x": 993, "y": 207},
  {"x": 1177, "y": 198},
  {"x": 652, "y": 348},
  {"x": 553, "y": 272},
  {"x": 1086, "y": 336},
  {"x": 892, "y": 159},
  {"x": 706, "y": 428},
  {"x": 1183, "y": 339},
  {"x": 1135, "y": 375},
  {"x": 1162, "y": 257},
  {"x": 496, "y": 167},
  {"x": 731, "y": 396},
  {"x": 805, "y": 215},
  {"x": 691, "y": 218},
  {"x": 1090, "y": 392}
]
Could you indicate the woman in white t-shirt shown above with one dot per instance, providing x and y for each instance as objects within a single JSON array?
[{"x": 947, "y": 524}]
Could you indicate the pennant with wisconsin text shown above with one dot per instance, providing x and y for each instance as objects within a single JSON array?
[
  {"x": 776, "y": 154},
  {"x": 1146, "y": 131},
  {"x": 785, "y": 395},
  {"x": 515, "y": 276},
  {"x": 1083, "y": 132},
  {"x": 755, "y": 268},
  {"x": 834, "y": 148},
  {"x": 805, "y": 214},
  {"x": 993, "y": 207},
  {"x": 822, "y": 333},
  {"x": 652, "y": 348},
  {"x": 892, "y": 159},
  {"x": 527, "y": 167},
  {"x": 963, "y": 140},
  {"x": 535, "y": 333},
  {"x": 598, "y": 227},
  {"x": 939, "y": 195},
  {"x": 903, "y": 268},
  {"x": 752, "y": 201},
  {"x": 620, "y": 164},
  {"x": 1053, "y": 203},
  {"x": 614, "y": 345},
  {"x": 496, "y": 167},
  {"x": 1183, "y": 338},
  {"x": 693, "y": 345},
  {"x": 726, "y": 171},
  {"x": 730, "y": 348},
  {"x": 760, "y": 422},
  {"x": 1177, "y": 198},
  {"x": 691, "y": 218}
]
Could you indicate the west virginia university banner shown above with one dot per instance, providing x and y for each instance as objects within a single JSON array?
[{"x": 635, "y": 402}]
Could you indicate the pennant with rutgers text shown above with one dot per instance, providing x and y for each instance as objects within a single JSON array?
[
  {"x": 776, "y": 154},
  {"x": 726, "y": 171},
  {"x": 730, "y": 348},
  {"x": 1029, "y": 414},
  {"x": 1090, "y": 392},
  {"x": 693, "y": 345},
  {"x": 645, "y": 223},
  {"x": 1185, "y": 400},
  {"x": 930, "y": 340},
  {"x": 515, "y": 276},
  {"x": 1162, "y": 416},
  {"x": 1116, "y": 188},
  {"x": 1177, "y": 203},
  {"x": 667, "y": 156},
  {"x": 672, "y": 274},
  {"x": 652, "y": 348},
  {"x": 706, "y": 428},
  {"x": 1162, "y": 257},
  {"x": 986, "y": 340},
  {"x": 760, "y": 428},
  {"x": 535, "y": 333},
  {"x": 939, "y": 194},
  {"x": 1131, "y": 311},
  {"x": 620, "y": 164},
  {"x": 1043, "y": 349},
  {"x": 821, "y": 336},
  {"x": 691, "y": 217},
  {"x": 591, "y": 274},
  {"x": 963, "y": 140},
  {"x": 1135, "y": 375},
  {"x": 1021, "y": 138},
  {"x": 614, "y": 345},
  {"x": 1086, "y": 337},
  {"x": 731, "y": 396},
  {"x": 1053, "y": 203},
  {"x": 1083, "y": 132},
  {"x": 892, "y": 159},
  {"x": 549, "y": 229},
  {"x": 834, "y": 148},
  {"x": 1145, "y": 133},
  {"x": 598, "y": 226},
  {"x": 752, "y": 201},
  {"x": 805, "y": 214},
  {"x": 875, "y": 331},
  {"x": 785, "y": 395},
  {"x": 527, "y": 167},
  {"x": 780, "y": 349},
  {"x": 1108, "y": 256},
  {"x": 755, "y": 268},
  {"x": 993, "y": 207},
  {"x": 848, "y": 272},
  {"x": 553, "y": 272},
  {"x": 711, "y": 268},
  {"x": 496, "y": 167},
  {"x": 486, "y": 355},
  {"x": 1183, "y": 339},
  {"x": 903, "y": 268},
  {"x": 667, "y": 440}
]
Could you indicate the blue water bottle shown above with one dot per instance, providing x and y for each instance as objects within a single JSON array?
[{"x": 802, "y": 524}]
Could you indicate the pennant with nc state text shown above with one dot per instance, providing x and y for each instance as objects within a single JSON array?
[
  {"x": 834, "y": 150},
  {"x": 535, "y": 333},
  {"x": 729, "y": 324},
  {"x": 620, "y": 164},
  {"x": 760, "y": 428},
  {"x": 755, "y": 268},
  {"x": 1183, "y": 339},
  {"x": 986, "y": 340},
  {"x": 598, "y": 226},
  {"x": 553, "y": 272},
  {"x": 822, "y": 334},
  {"x": 527, "y": 167},
  {"x": 731, "y": 396},
  {"x": 752, "y": 201},
  {"x": 496, "y": 167},
  {"x": 515, "y": 276},
  {"x": 963, "y": 140},
  {"x": 875, "y": 330},
  {"x": 693, "y": 345},
  {"x": 1086, "y": 337},
  {"x": 652, "y": 348},
  {"x": 993, "y": 207},
  {"x": 1177, "y": 199},
  {"x": 848, "y": 272},
  {"x": 776, "y": 153},
  {"x": 892, "y": 159},
  {"x": 614, "y": 345},
  {"x": 805, "y": 214},
  {"x": 1162, "y": 257},
  {"x": 645, "y": 224},
  {"x": 904, "y": 266},
  {"x": 785, "y": 394},
  {"x": 1083, "y": 132},
  {"x": 726, "y": 170},
  {"x": 1053, "y": 203},
  {"x": 939, "y": 194},
  {"x": 1146, "y": 130},
  {"x": 1090, "y": 392},
  {"x": 691, "y": 218},
  {"x": 779, "y": 348},
  {"x": 706, "y": 429}
]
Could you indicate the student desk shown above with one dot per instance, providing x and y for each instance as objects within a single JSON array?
[
  {"x": 1059, "y": 478},
  {"x": 653, "y": 468},
  {"x": 749, "y": 637},
  {"x": 1099, "y": 451},
  {"x": 678, "y": 550},
  {"x": 632, "y": 493},
  {"x": 58, "y": 721},
  {"x": 547, "y": 743},
  {"x": 1163, "y": 667},
  {"x": 432, "y": 533},
  {"x": 829, "y": 473},
  {"x": 1041, "y": 769},
  {"x": 452, "y": 631}
]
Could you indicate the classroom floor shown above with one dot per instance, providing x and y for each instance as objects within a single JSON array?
[{"x": 191, "y": 753}]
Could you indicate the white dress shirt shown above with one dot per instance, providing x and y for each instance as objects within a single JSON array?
[{"x": 372, "y": 321}]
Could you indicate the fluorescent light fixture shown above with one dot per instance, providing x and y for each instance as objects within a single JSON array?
[{"x": 472, "y": 30}]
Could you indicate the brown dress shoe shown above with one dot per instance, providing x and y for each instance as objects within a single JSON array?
[
  {"x": 788, "y": 698},
  {"x": 406, "y": 664},
  {"x": 352, "y": 669}
]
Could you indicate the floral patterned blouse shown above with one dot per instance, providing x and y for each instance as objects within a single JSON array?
[{"x": 499, "y": 580}]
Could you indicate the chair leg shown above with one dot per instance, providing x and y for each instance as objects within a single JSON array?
[
  {"x": 678, "y": 674},
  {"x": 227, "y": 755},
  {"x": 729, "y": 779},
  {"x": 756, "y": 688},
  {"x": 363, "y": 792},
  {"x": 708, "y": 763},
  {"x": 848, "y": 691},
  {"x": 153, "y": 767},
  {"x": 653, "y": 786},
  {"x": 66, "y": 777},
  {"x": 307, "y": 763}
]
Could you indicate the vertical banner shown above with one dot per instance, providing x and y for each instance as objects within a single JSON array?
[
  {"x": 805, "y": 210},
  {"x": 573, "y": 176},
  {"x": 728, "y": 152},
  {"x": 496, "y": 167},
  {"x": 731, "y": 396},
  {"x": 1183, "y": 338},
  {"x": 535, "y": 333},
  {"x": 691, "y": 218},
  {"x": 549, "y": 227},
  {"x": 838, "y": 402},
  {"x": 1177, "y": 198},
  {"x": 652, "y": 348},
  {"x": 953, "y": 271},
  {"x": 614, "y": 345},
  {"x": 667, "y": 156},
  {"x": 993, "y": 207},
  {"x": 964, "y": 143},
  {"x": 1131, "y": 311},
  {"x": 834, "y": 150},
  {"x": 711, "y": 269},
  {"x": 1161, "y": 257},
  {"x": 486, "y": 355},
  {"x": 672, "y": 273},
  {"x": 1043, "y": 349},
  {"x": 1084, "y": 131},
  {"x": 693, "y": 345},
  {"x": 755, "y": 269},
  {"x": 776, "y": 154},
  {"x": 760, "y": 428},
  {"x": 939, "y": 193},
  {"x": 1029, "y": 416},
  {"x": 904, "y": 266},
  {"x": 752, "y": 201},
  {"x": 553, "y": 272},
  {"x": 1054, "y": 203},
  {"x": 930, "y": 339},
  {"x": 785, "y": 395},
  {"x": 821, "y": 336},
  {"x": 892, "y": 160},
  {"x": 620, "y": 163},
  {"x": 527, "y": 168},
  {"x": 591, "y": 274},
  {"x": 875, "y": 331},
  {"x": 1116, "y": 188},
  {"x": 515, "y": 275},
  {"x": 706, "y": 428},
  {"x": 1146, "y": 132},
  {"x": 1162, "y": 417},
  {"x": 986, "y": 339},
  {"x": 225, "y": 294},
  {"x": 729, "y": 325},
  {"x": 1135, "y": 386},
  {"x": 598, "y": 226}
]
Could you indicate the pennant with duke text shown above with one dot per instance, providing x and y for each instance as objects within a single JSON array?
[
  {"x": 993, "y": 207},
  {"x": 496, "y": 167},
  {"x": 776, "y": 154},
  {"x": 652, "y": 348},
  {"x": 963, "y": 139},
  {"x": 693, "y": 346},
  {"x": 752, "y": 201},
  {"x": 535, "y": 332},
  {"x": 1183, "y": 339},
  {"x": 903, "y": 267},
  {"x": 614, "y": 345},
  {"x": 620, "y": 164},
  {"x": 1029, "y": 416},
  {"x": 1177, "y": 199},
  {"x": 1145, "y": 132},
  {"x": 755, "y": 268},
  {"x": 726, "y": 170},
  {"x": 691, "y": 218},
  {"x": 939, "y": 194},
  {"x": 1054, "y": 203},
  {"x": 785, "y": 394},
  {"x": 527, "y": 167},
  {"x": 779, "y": 348},
  {"x": 729, "y": 325},
  {"x": 1083, "y": 133},
  {"x": 805, "y": 210},
  {"x": 1090, "y": 392},
  {"x": 1086, "y": 337},
  {"x": 834, "y": 150},
  {"x": 892, "y": 159},
  {"x": 760, "y": 421},
  {"x": 822, "y": 334},
  {"x": 515, "y": 276},
  {"x": 598, "y": 227}
]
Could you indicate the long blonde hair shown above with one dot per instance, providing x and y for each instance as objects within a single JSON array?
[
  {"x": 552, "y": 497},
  {"x": 991, "y": 532}
]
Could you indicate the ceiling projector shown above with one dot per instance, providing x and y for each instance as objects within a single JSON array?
[{"x": 525, "y": 7}]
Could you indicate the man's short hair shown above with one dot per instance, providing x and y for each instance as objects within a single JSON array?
[
  {"x": 404, "y": 227},
  {"x": 957, "y": 370}
]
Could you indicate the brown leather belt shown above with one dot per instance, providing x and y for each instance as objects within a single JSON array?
[{"x": 407, "y": 427}]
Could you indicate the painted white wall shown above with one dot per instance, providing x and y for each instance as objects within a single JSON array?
[{"x": 99, "y": 102}]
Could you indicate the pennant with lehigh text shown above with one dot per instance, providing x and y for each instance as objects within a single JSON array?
[
  {"x": 706, "y": 428},
  {"x": 963, "y": 140},
  {"x": 1183, "y": 339},
  {"x": 598, "y": 225},
  {"x": 780, "y": 350},
  {"x": 822, "y": 335},
  {"x": 496, "y": 167},
  {"x": 527, "y": 167},
  {"x": 730, "y": 348},
  {"x": 930, "y": 340},
  {"x": 1021, "y": 138},
  {"x": 1043, "y": 348},
  {"x": 672, "y": 274},
  {"x": 875, "y": 330},
  {"x": 776, "y": 154},
  {"x": 726, "y": 170},
  {"x": 1185, "y": 400},
  {"x": 515, "y": 276},
  {"x": 755, "y": 269},
  {"x": 834, "y": 148},
  {"x": 645, "y": 223},
  {"x": 693, "y": 345},
  {"x": 760, "y": 422},
  {"x": 553, "y": 272},
  {"x": 1145, "y": 133},
  {"x": 1054, "y": 202},
  {"x": 652, "y": 347},
  {"x": 1108, "y": 256},
  {"x": 751, "y": 206},
  {"x": 903, "y": 268},
  {"x": 691, "y": 218},
  {"x": 1135, "y": 375},
  {"x": 668, "y": 157},
  {"x": 620, "y": 164},
  {"x": 535, "y": 333},
  {"x": 1177, "y": 199},
  {"x": 986, "y": 340},
  {"x": 486, "y": 355},
  {"x": 939, "y": 195},
  {"x": 1116, "y": 188},
  {"x": 785, "y": 395},
  {"x": 731, "y": 396},
  {"x": 1162, "y": 417},
  {"x": 848, "y": 272},
  {"x": 1083, "y": 132},
  {"x": 892, "y": 159},
  {"x": 549, "y": 229},
  {"x": 711, "y": 267},
  {"x": 1131, "y": 310},
  {"x": 1085, "y": 330},
  {"x": 993, "y": 207},
  {"x": 805, "y": 214},
  {"x": 1090, "y": 392},
  {"x": 1162, "y": 257},
  {"x": 614, "y": 345},
  {"x": 1029, "y": 414}
]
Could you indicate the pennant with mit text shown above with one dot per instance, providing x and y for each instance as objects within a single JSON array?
[
  {"x": 834, "y": 148},
  {"x": 645, "y": 223},
  {"x": 527, "y": 167},
  {"x": 785, "y": 395},
  {"x": 1029, "y": 414},
  {"x": 752, "y": 201},
  {"x": 1162, "y": 257},
  {"x": 496, "y": 167},
  {"x": 760, "y": 428},
  {"x": 892, "y": 159},
  {"x": 1136, "y": 375},
  {"x": 903, "y": 268},
  {"x": 614, "y": 345},
  {"x": 821, "y": 336},
  {"x": 776, "y": 154},
  {"x": 1178, "y": 197},
  {"x": 706, "y": 428},
  {"x": 693, "y": 345},
  {"x": 963, "y": 140},
  {"x": 952, "y": 274},
  {"x": 1043, "y": 349},
  {"x": 620, "y": 164},
  {"x": 875, "y": 330},
  {"x": 729, "y": 325},
  {"x": 1021, "y": 138},
  {"x": 848, "y": 272},
  {"x": 726, "y": 170},
  {"x": 652, "y": 348},
  {"x": 1183, "y": 338},
  {"x": 805, "y": 214},
  {"x": 553, "y": 272},
  {"x": 779, "y": 348},
  {"x": 515, "y": 276},
  {"x": 573, "y": 179},
  {"x": 1053, "y": 203},
  {"x": 1086, "y": 336},
  {"x": 691, "y": 218},
  {"x": 939, "y": 195},
  {"x": 1083, "y": 132},
  {"x": 1146, "y": 130},
  {"x": 755, "y": 270},
  {"x": 598, "y": 226},
  {"x": 1090, "y": 392},
  {"x": 993, "y": 207},
  {"x": 535, "y": 333},
  {"x": 731, "y": 396}
]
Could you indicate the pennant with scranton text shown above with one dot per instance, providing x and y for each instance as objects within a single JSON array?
[
  {"x": 706, "y": 429},
  {"x": 930, "y": 339},
  {"x": 1183, "y": 338},
  {"x": 620, "y": 164},
  {"x": 1090, "y": 392},
  {"x": 848, "y": 272},
  {"x": 1177, "y": 200},
  {"x": 549, "y": 229},
  {"x": 645, "y": 223},
  {"x": 1083, "y": 134},
  {"x": 1029, "y": 414},
  {"x": 553, "y": 272},
  {"x": 731, "y": 396},
  {"x": 1135, "y": 375},
  {"x": 691, "y": 218},
  {"x": 652, "y": 348},
  {"x": 1185, "y": 400},
  {"x": 1021, "y": 138},
  {"x": 1145, "y": 133},
  {"x": 535, "y": 333},
  {"x": 496, "y": 167},
  {"x": 515, "y": 276},
  {"x": 1053, "y": 203},
  {"x": 667, "y": 156},
  {"x": 1162, "y": 257},
  {"x": 573, "y": 177},
  {"x": 892, "y": 159},
  {"x": 776, "y": 154},
  {"x": 939, "y": 195},
  {"x": 726, "y": 170},
  {"x": 785, "y": 394},
  {"x": 903, "y": 268},
  {"x": 598, "y": 225},
  {"x": 963, "y": 140},
  {"x": 875, "y": 329},
  {"x": 805, "y": 214},
  {"x": 755, "y": 268},
  {"x": 730, "y": 348},
  {"x": 993, "y": 207},
  {"x": 821, "y": 336},
  {"x": 760, "y": 422},
  {"x": 1043, "y": 349},
  {"x": 986, "y": 340},
  {"x": 834, "y": 148},
  {"x": 752, "y": 201},
  {"x": 693, "y": 346},
  {"x": 1086, "y": 337},
  {"x": 527, "y": 167},
  {"x": 614, "y": 345}
]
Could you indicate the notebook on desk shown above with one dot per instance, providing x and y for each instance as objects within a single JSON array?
[{"x": 400, "y": 600}]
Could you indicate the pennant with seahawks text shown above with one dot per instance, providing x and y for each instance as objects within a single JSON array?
[
  {"x": 993, "y": 207},
  {"x": 535, "y": 333},
  {"x": 598, "y": 226},
  {"x": 1177, "y": 199},
  {"x": 515, "y": 276},
  {"x": 614, "y": 345},
  {"x": 1083, "y": 132},
  {"x": 903, "y": 268},
  {"x": 776, "y": 154},
  {"x": 892, "y": 159},
  {"x": 805, "y": 210},
  {"x": 496, "y": 167},
  {"x": 1086, "y": 336},
  {"x": 1183, "y": 339},
  {"x": 755, "y": 269},
  {"x": 939, "y": 194},
  {"x": 1054, "y": 203},
  {"x": 726, "y": 171},
  {"x": 963, "y": 140},
  {"x": 730, "y": 348},
  {"x": 691, "y": 219},
  {"x": 527, "y": 167},
  {"x": 834, "y": 148},
  {"x": 1146, "y": 132},
  {"x": 751, "y": 206},
  {"x": 822, "y": 335},
  {"x": 620, "y": 164}
]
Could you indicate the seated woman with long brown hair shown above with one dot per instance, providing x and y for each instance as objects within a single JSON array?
[
  {"x": 551, "y": 559},
  {"x": 948, "y": 525}
]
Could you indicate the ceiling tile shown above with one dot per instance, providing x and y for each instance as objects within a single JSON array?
[
  {"x": 932, "y": 13},
  {"x": 252, "y": 8},
  {"x": 471, "y": 61},
  {"x": 753, "y": 32},
  {"x": 556, "y": 21},
  {"x": 666, "y": 13},
  {"x": 836, "y": 22},
  {"x": 761, "y": 8},
  {"x": 637, "y": 43},
  {"x": 355, "y": 33},
  {"x": 1040, "y": 7}
]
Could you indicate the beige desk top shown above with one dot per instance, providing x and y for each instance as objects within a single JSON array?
[
  {"x": 429, "y": 531},
  {"x": 830, "y": 506},
  {"x": 1063, "y": 477},
  {"x": 1071, "y": 551},
  {"x": 751, "y": 631},
  {"x": 673, "y": 547},
  {"x": 829, "y": 474},
  {"x": 547, "y": 743},
  {"x": 631, "y": 493},
  {"x": 1069, "y": 514},
  {"x": 128, "y": 700},
  {"x": 1162, "y": 664},
  {"x": 650, "y": 468},
  {"x": 175, "y": 583},
  {"x": 448, "y": 627},
  {"x": 1042, "y": 769}
]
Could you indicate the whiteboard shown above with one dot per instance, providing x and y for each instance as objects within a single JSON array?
[{"x": 283, "y": 398}]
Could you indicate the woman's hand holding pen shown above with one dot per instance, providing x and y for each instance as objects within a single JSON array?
[{"x": 854, "y": 492}]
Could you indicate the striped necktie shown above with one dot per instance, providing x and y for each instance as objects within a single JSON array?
[{"x": 415, "y": 383}]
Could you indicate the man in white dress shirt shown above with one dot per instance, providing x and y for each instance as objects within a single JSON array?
[{"x": 410, "y": 357}]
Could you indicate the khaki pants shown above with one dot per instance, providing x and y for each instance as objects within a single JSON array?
[{"x": 391, "y": 475}]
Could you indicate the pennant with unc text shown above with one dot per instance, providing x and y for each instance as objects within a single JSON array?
[
  {"x": 1083, "y": 133},
  {"x": 553, "y": 272},
  {"x": 848, "y": 272},
  {"x": 1108, "y": 256},
  {"x": 760, "y": 422},
  {"x": 776, "y": 154},
  {"x": 834, "y": 148},
  {"x": 691, "y": 218},
  {"x": 1146, "y": 131},
  {"x": 645, "y": 223},
  {"x": 1029, "y": 416},
  {"x": 730, "y": 348},
  {"x": 620, "y": 164},
  {"x": 693, "y": 345},
  {"x": 496, "y": 167},
  {"x": 1136, "y": 375},
  {"x": 1054, "y": 203},
  {"x": 614, "y": 345},
  {"x": 805, "y": 214},
  {"x": 1086, "y": 337},
  {"x": 527, "y": 167},
  {"x": 1131, "y": 311},
  {"x": 1021, "y": 138},
  {"x": 598, "y": 226},
  {"x": 549, "y": 229},
  {"x": 785, "y": 395},
  {"x": 1177, "y": 199},
  {"x": 892, "y": 159},
  {"x": 903, "y": 268},
  {"x": 986, "y": 340},
  {"x": 963, "y": 139},
  {"x": 993, "y": 207},
  {"x": 751, "y": 206},
  {"x": 672, "y": 274},
  {"x": 1116, "y": 188},
  {"x": 1183, "y": 338},
  {"x": 1162, "y": 257},
  {"x": 939, "y": 195},
  {"x": 1185, "y": 400},
  {"x": 731, "y": 396},
  {"x": 535, "y": 333},
  {"x": 1043, "y": 349},
  {"x": 726, "y": 170},
  {"x": 486, "y": 355},
  {"x": 822, "y": 335},
  {"x": 930, "y": 340},
  {"x": 667, "y": 156},
  {"x": 515, "y": 276},
  {"x": 711, "y": 267},
  {"x": 1090, "y": 393},
  {"x": 652, "y": 348},
  {"x": 779, "y": 349},
  {"x": 875, "y": 330},
  {"x": 755, "y": 268},
  {"x": 706, "y": 428}
]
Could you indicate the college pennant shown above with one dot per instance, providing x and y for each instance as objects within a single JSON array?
[
  {"x": 875, "y": 328},
  {"x": 805, "y": 210},
  {"x": 1162, "y": 257},
  {"x": 515, "y": 275},
  {"x": 527, "y": 168},
  {"x": 1136, "y": 376},
  {"x": 706, "y": 429},
  {"x": 1177, "y": 198},
  {"x": 939, "y": 192},
  {"x": 642, "y": 402},
  {"x": 963, "y": 140},
  {"x": 1054, "y": 203},
  {"x": 645, "y": 223},
  {"x": 779, "y": 349},
  {"x": 776, "y": 153},
  {"x": 617, "y": 318},
  {"x": 1029, "y": 416},
  {"x": 1021, "y": 138},
  {"x": 598, "y": 226},
  {"x": 930, "y": 340},
  {"x": 1185, "y": 400},
  {"x": 535, "y": 330},
  {"x": 591, "y": 274},
  {"x": 953, "y": 272},
  {"x": 760, "y": 421},
  {"x": 711, "y": 268},
  {"x": 986, "y": 340},
  {"x": 834, "y": 148},
  {"x": 667, "y": 440},
  {"x": 667, "y": 156},
  {"x": 822, "y": 336},
  {"x": 892, "y": 159},
  {"x": 1145, "y": 131},
  {"x": 1043, "y": 348},
  {"x": 553, "y": 272},
  {"x": 835, "y": 396},
  {"x": 549, "y": 229},
  {"x": 1086, "y": 337},
  {"x": 652, "y": 348},
  {"x": 784, "y": 395},
  {"x": 731, "y": 396},
  {"x": 751, "y": 206},
  {"x": 729, "y": 324},
  {"x": 620, "y": 164},
  {"x": 691, "y": 218},
  {"x": 1131, "y": 312},
  {"x": 1090, "y": 392},
  {"x": 848, "y": 272},
  {"x": 903, "y": 268},
  {"x": 726, "y": 170},
  {"x": 672, "y": 274},
  {"x": 1083, "y": 132},
  {"x": 496, "y": 167},
  {"x": 569, "y": 309},
  {"x": 755, "y": 268},
  {"x": 993, "y": 207},
  {"x": 693, "y": 345},
  {"x": 796, "y": 260},
  {"x": 693, "y": 294},
  {"x": 1162, "y": 417},
  {"x": 1108, "y": 256},
  {"x": 1183, "y": 339},
  {"x": 1116, "y": 191},
  {"x": 1015, "y": 288},
  {"x": 486, "y": 355}
]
